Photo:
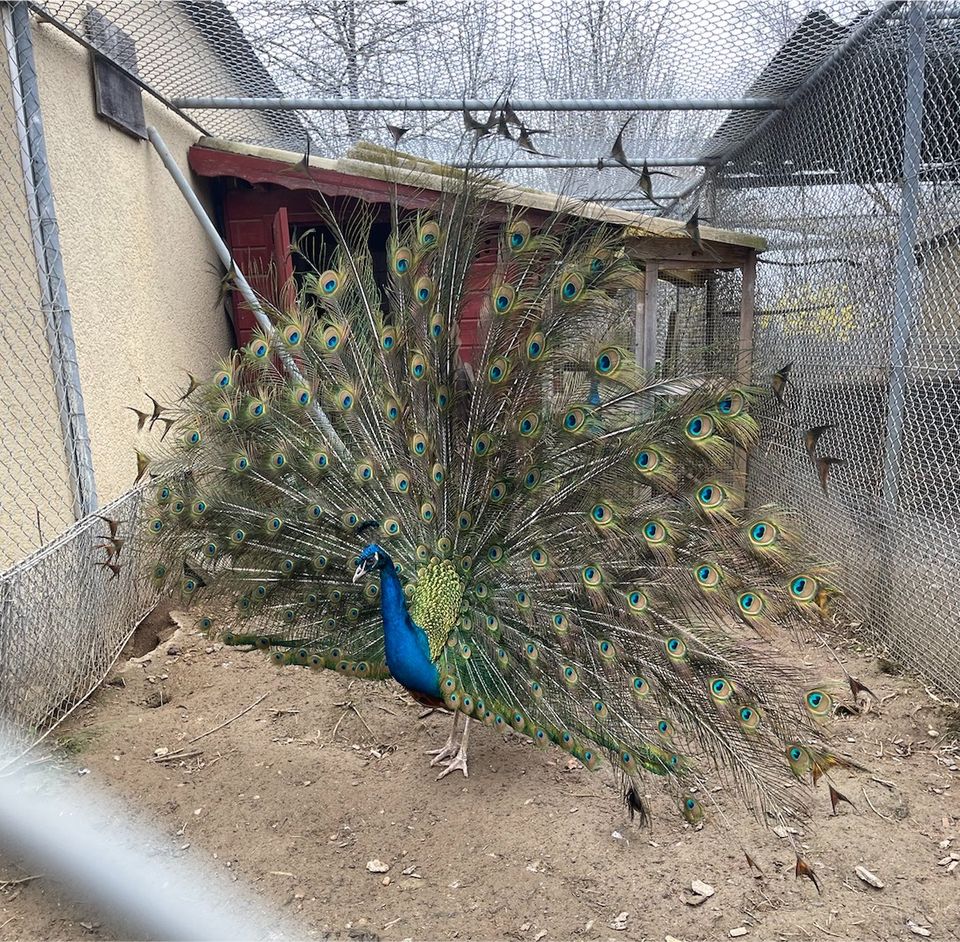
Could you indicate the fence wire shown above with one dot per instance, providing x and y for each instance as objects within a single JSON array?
[
  {"x": 856, "y": 190},
  {"x": 853, "y": 184}
]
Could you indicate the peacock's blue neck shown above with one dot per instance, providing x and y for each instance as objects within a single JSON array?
[{"x": 405, "y": 643}]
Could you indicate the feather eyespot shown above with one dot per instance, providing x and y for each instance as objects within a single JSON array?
[
  {"x": 646, "y": 460},
  {"x": 238, "y": 535},
  {"x": 350, "y": 519},
  {"x": 531, "y": 480},
  {"x": 818, "y": 702},
  {"x": 721, "y": 689},
  {"x": 574, "y": 419},
  {"x": 561, "y": 624},
  {"x": 320, "y": 460},
  {"x": 803, "y": 588},
  {"x": 676, "y": 648},
  {"x": 388, "y": 338},
  {"x": 211, "y": 550},
  {"x": 345, "y": 399},
  {"x": 423, "y": 290},
  {"x": 750, "y": 603},
  {"x": 225, "y": 415},
  {"x": 483, "y": 444},
  {"x": 691, "y": 810},
  {"x": 539, "y": 557},
  {"x": 464, "y": 520},
  {"x": 607, "y": 649},
  {"x": 749, "y": 717},
  {"x": 637, "y": 600},
  {"x": 523, "y": 600},
  {"x": 532, "y": 651},
  {"x": 418, "y": 365},
  {"x": 592, "y": 576},
  {"x": 429, "y": 234},
  {"x": 331, "y": 338},
  {"x": 536, "y": 345},
  {"x": 639, "y": 687},
  {"x": 241, "y": 463},
  {"x": 391, "y": 526},
  {"x": 763, "y": 533},
  {"x": 495, "y": 553},
  {"x": 427, "y": 511},
  {"x": 518, "y": 234},
  {"x": 193, "y": 438},
  {"x": 199, "y": 507},
  {"x": 419, "y": 443},
  {"x": 655, "y": 532},
  {"x": 329, "y": 282},
  {"x": 699, "y": 427},
  {"x": 569, "y": 675},
  {"x": 529, "y": 424},
  {"x": 710, "y": 496},
  {"x": 601, "y": 515},
  {"x": 572, "y": 287},
  {"x": 504, "y": 298},
  {"x": 223, "y": 379},
  {"x": 498, "y": 492},
  {"x": 292, "y": 335},
  {"x": 400, "y": 482},
  {"x": 608, "y": 361},
  {"x": 493, "y": 624},
  {"x": 732, "y": 404},
  {"x": 498, "y": 370},
  {"x": 438, "y": 473},
  {"x": 444, "y": 546},
  {"x": 259, "y": 349},
  {"x": 707, "y": 576},
  {"x": 402, "y": 261},
  {"x": 364, "y": 472},
  {"x": 155, "y": 525}
]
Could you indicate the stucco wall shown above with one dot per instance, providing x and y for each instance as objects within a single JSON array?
[
  {"x": 142, "y": 278},
  {"x": 33, "y": 470}
]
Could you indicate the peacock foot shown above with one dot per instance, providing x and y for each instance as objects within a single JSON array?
[
  {"x": 450, "y": 747},
  {"x": 459, "y": 761}
]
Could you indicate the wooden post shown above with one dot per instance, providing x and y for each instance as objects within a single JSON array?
[
  {"x": 744, "y": 365},
  {"x": 646, "y": 322}
]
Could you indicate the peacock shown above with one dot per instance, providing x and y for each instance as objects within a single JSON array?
[{"x": 540, "y": 537}]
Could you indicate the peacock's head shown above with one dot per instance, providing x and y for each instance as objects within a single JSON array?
[{"x": 371, "y": 557}]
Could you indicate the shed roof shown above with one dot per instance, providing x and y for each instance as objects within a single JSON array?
[{"x": 373, "y": 173}]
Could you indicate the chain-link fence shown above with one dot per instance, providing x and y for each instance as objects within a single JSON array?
[
  {"x": 829, "y": 129},
  {"x": 855, "y": 187}
]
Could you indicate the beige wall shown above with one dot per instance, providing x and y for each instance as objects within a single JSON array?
[
  {"x": 141, "y": 276},
  {"x": 33, "y": 469}
]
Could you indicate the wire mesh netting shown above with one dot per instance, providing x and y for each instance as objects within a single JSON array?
[{"x": 838, "y": 145}]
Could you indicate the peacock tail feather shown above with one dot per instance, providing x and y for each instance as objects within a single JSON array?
[{"x": 567, "y": 530}]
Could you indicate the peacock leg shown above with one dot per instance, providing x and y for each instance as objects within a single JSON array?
[
  {"x": 449, "y": 748},
  {"x": 459, "y": 761}
]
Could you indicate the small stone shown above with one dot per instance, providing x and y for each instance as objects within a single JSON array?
[
  {"x": 917, "y": 929},
  {"x": 162, "y": 751},
  {"x": 868, "y": 877},
  {"x": 739, "y": 931},
  {"x": 377, "y": 866},
  {"x": 172, "y": 650},
  {"x": 670, "y": 938},
  {"x": 209, "y": 650},
  {"x": 539, "y": 935},
  {"x": 780, "y": 831},
  {"x": 525, "y": 927},
  {"x": 589, "y": 925},
  {"x": 617, "y": 836},
  {"x": 619, "y": 922},
  {"x": 702, "y": 889},
  {"x": 197, "y": 811},
  {"x": 386, "y": 881}
]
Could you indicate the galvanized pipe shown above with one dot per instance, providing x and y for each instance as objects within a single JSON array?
[
  {"x": 585, "y": 163},
  {"x": 243, "y": 286},
  {"x": 45, "y": 230},
  {"x": 481, "y": 104}
]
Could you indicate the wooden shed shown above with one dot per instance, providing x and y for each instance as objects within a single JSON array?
[{"x": 268, "y": 200}]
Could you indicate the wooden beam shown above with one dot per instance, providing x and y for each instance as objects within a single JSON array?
[
  {"x": 744, "y": 365},
  {"x": 646, "y": 327}
]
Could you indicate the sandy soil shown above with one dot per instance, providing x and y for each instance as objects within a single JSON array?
[{"x": 294, "y": 798}]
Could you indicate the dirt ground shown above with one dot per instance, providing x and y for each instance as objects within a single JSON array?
[{"x": 322, "y": 776}]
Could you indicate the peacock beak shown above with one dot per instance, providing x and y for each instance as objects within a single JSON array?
[{"x": 359, "y": 574}]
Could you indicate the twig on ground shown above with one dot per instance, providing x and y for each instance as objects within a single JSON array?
[
  {"x": 259, "y": 699},
  {"x": 5, "y": 883},
  {"x": 828, "y": 932},
  {"x": 174, "y": 756},
  {"x": 870, "y": 803}
]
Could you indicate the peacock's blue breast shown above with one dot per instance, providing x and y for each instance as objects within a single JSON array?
[{"x": 408, "y": 657}]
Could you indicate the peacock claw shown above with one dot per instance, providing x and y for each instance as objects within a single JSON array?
[
  {"x": 458, "y": 763},
  {"x": 446, "y": 751}
]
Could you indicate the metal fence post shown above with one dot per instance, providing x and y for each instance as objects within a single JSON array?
[
  {"x": 49, "y": 260},
  {"x": 905, "y": 286}
]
